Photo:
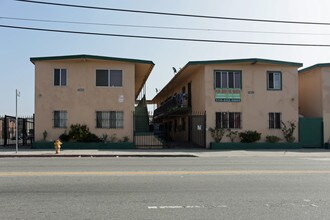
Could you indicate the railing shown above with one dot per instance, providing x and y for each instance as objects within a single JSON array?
[
  {"x": 173, "y": 104},
  {"x": 8, "y": 130}
]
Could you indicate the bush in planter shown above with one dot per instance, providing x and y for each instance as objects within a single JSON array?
[
  {"x": 288, "y": 131},
  {"x": 217, "y": 133},
  {"x": 232, "y": 135},
  {"x": 64, "y": 137},
  {"x": 272, "y": 139},
  {"x": 249, "y": 136},
  {"x": 79, "y": 133}
]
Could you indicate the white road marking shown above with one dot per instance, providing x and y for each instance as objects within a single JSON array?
[
  {"x": 318, "y": 159},
  {"x": 185, "y": 207},
  {"x": 152, "y": 207}
]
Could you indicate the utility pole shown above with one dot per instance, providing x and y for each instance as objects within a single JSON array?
[{"x": 17, "y": 95}]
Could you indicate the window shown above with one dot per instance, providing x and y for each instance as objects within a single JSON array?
[
  {"x": 227, "y": 80},
  {"x": 275, "y": 120},
  {"x": 60, "y": 77},
  {"x": 109, "y": 119},
  {"x": 109, "y": 78},
  {"x": 60, "y": 119},
  {"x": 274, "y": 80},
  {"x": 228, "y": 119}
]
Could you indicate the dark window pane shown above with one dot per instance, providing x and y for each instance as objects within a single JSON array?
[
  {"x": 278, "y": 120},
  {"x": 116, "y": 78},
  {"x": 102, "y": 78},
  {"x": 57, "y": 77},
  {"x": 218, "y": 80},
  {"x": 224, "y": 79},
  {"x": 237, "y": 81},
  {"x": 270, "y": 81},
  {"x": 237, "y": 120},
  {"x": 231, "y": 120},
  {"x": 56, "y": 119},
  {"x": 224, "y": 120},
  {"x": 99, "y": 119},
  {"x": 112, "y": 119},
  {"x": 63, "y": 77},
  {"x": 231, "y": 80},
  {"x": 218, "y": 120}
]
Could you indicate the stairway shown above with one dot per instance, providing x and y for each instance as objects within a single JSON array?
[{"x": 141, "y": 117}]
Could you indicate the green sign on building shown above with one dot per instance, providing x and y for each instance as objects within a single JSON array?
[{"x": 227, "y": 95}]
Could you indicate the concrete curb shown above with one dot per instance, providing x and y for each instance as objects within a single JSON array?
[{"x": 94, "y": 155}]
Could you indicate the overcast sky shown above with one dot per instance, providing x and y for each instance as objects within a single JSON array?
[{"x": 17, "y": 46}]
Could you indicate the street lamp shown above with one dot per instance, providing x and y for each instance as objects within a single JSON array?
[{"x": 17, "y": 95}]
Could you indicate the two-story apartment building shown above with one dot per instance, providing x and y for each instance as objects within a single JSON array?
[
  {"x": 314, "y": 95},
  {"x": 97, "y": 91},
  {"x": 243, "y": 94}
]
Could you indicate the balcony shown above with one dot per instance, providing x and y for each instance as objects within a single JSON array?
[{"x": 177, "y": 104}]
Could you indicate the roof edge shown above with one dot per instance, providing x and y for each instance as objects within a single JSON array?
[
  {"x": 249, "y": 60},
  {"x": 85, "y": 56},
  {"x": 314, "y": 66}
]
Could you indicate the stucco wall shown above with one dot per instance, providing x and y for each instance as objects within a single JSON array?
[
  {"x": 81, "y": 106},
  {"x": 310, "y": 93},
  {"x": 256, "y": 100},
  {"x": 326, "y": 102}
]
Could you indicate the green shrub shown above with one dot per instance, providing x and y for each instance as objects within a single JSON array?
[
  {"x": 125, "y": 139},
  {"x": 79, "y": 133},
  {"x": 64, "y": 137},
  {"x": 217, "y": 133},
  {"x": 249, "y": 136},
  {"x": 272, "y": 139},
  {"x": 91, "y": 138}
]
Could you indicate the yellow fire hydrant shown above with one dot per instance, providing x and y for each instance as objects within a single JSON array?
[{"x": 57, "y": 145}]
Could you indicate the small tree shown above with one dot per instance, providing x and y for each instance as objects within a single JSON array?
[
  {"x": 44, "y": 135},
  {"x": 288, "y": 131},
  {"x": 232, "y": 135},
  {"x": 104, "y": 138},
  {"x": 217, "y": 133}
]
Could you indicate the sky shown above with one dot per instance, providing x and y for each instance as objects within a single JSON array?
[{"x": 18, "y": 46}]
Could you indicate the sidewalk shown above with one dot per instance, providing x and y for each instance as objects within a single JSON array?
[{"x": 165, "y": 153}]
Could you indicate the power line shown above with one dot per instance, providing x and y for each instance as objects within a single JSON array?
[
  {"x": 164, "y": 38},
  {"x": 176, "y": 14},
  {"x": 160, "y": 27}
]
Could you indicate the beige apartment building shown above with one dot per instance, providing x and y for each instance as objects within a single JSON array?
[
  {"x": 314, "y": 95},
  {"x": 97, "y": 91},
  {"x": 244, "y": 94}
]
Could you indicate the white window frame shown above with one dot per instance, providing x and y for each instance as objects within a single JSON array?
[
  {"x": 277, "y": 80},
  {"x": 109, "y": 78},
  {"x": 60, "y": 77},
  {"x": 235, "y": 72},
  {"x": 106, "y": 120},
  {"x": 62, "y": 117},
  {"x": 272, "y": 118},
  {"x": 227, "y": 120}
]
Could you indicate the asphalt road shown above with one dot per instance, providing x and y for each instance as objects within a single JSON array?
[{"x": 165, "y": 188}]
